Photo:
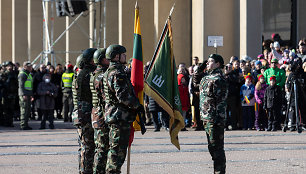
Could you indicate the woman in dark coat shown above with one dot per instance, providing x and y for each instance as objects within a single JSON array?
[
  {"x": 56, "y": 78},
  {"x": 47, "y": 92}
]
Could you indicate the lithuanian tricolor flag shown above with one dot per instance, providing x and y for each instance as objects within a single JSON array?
[{"x": 137, "y": 64}]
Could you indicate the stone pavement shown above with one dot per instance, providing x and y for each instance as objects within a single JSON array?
[{"x": 251, "y": 152}]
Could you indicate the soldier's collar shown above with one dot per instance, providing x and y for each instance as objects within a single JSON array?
[{"x": 217, "y": 70}]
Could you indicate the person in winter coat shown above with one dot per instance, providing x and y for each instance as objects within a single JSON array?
[
  {"x": 276, "y": 52},
  {"x": 248, "y": 101},
  {"x": 256, "y": 71},
  {"x": 184, "y": 95},
  {"x": 37, "y": 78},
  {"x": 154, "y": 109},
  {"x": 272, "y": 103},
  {"x": 279, "y": 74},
  {"x": 260, "y": 114},
  {"x": 47, "y": 91},
  {"x": 56, "y": 79}
]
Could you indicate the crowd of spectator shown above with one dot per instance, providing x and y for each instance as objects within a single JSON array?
[
  {"x": 259, "y": 89},
  {"x": 258, "y": 94},
  {"x": 47, "y": 102}
]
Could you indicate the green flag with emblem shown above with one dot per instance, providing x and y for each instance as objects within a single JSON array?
[{"x": 161, "y": 83}]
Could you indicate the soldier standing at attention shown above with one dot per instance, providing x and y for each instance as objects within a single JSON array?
[
  {"x": 213, "y": 95},
  {"x": 25, "y": 93},
  {"x": 97, "y": 116},
  {"x": 67, "y": 79},
  {"x": 84, "y": 97},
  {"x": 78, "y": 68},
  {"x": 121, "y": 106},
  {"x": 10, "y": 92}
]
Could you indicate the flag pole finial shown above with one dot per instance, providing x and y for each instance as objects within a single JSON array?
[
  {"x": 136, "y": 5},
  {"x": 171, "y": 10}
]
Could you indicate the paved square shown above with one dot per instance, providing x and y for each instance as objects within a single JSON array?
[{"x": 252, "y": 152}]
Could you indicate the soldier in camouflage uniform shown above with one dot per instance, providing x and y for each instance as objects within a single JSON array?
[
  {"x": 121, "y": 105},
  {"x": 97, "y": 116},
  {"x": 84, "y": 97},
  {"x": 213, "y": 94},
  {"x": 74, "y": 91},
  {"x": 10, "y": 93}
]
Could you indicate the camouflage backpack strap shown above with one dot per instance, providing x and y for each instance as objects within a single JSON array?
[
  {"x": 106, "y": 75},
  {"x": 95, "y": 99}
]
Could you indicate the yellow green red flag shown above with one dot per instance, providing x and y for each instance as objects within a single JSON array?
[{"x": 137, "y": 67}]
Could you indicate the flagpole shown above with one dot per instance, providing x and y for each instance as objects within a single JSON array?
[
  {"x": 129, "y": 147},
  {"x": 128, "y": 160},
  {"x": 171, "y": 11},
  {"x": 160, "y": 39}
]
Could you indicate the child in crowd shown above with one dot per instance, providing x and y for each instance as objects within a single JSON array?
[
  {"x": 285, "y": 59},
  {"x": 248, "y": 102},
  {"x": 292, "y": 57},
  {"x": 260, "y": 113},
  {"x": 272, "y": 103},
  {"x": 184, "y": 95}
]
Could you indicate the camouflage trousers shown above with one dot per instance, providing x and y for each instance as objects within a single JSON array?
[
  {"x": 67, "y": 105},
  {"x": 119, "y": 134},
  {"x": 8, "y": 108},
  {"x": 215, "y": 139},
  {"x": 102, "y": 146},
  {"x": 86, "y": 148},
  {"x": 25, "y": 110}
]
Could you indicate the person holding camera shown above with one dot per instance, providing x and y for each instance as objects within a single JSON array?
[
  {"x": 297, "y": 76},
  {"x": 47, "y": 91},
  {"x": 302, "y": 51}
]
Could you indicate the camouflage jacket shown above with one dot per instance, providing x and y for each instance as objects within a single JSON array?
[
  {"x": 98, "y": 96},
  {"x": 96, "y": 86},
  {"x": 121, "y": 101},
  {"x": 74, "y": 90},
  {"x": 82, "y": 84},
  {"x": 213, "y": 95},
  {"x": 10, "y": 79}
]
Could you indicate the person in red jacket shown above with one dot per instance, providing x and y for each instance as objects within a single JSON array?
[{"x": 184, "y": 95}]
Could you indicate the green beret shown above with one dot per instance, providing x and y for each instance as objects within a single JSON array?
[{"x": 217, "y": 58}]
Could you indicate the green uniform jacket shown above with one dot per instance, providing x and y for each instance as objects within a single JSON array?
[
  {"x": 278, "y": 73},
  {"x": 11, "y": 84},
  {"x": 213, "y": 95},
  {"x": 83, "y": 85},
  {"x": 121, "y": 100}
]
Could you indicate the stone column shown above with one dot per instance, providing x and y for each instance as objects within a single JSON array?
[
  {"x": 181, "y": 26},
  {"x": 198, "y": 29},
  {"x": 112, "y": 25},
  {"x": 126, "y": 26},
  {"x": 36, "y": 27},
  {"x": 19, "y": 31},
  {"x": 28, "y": 31},
  {"x": 250, "y": 27},
  {"x": 91, "y": 24},
  {"x": 67, "y": 40},
  {"x": 5, "y": 30},
  {"x": 301, "y": 19},
  {"x": 13, "y": 29}
]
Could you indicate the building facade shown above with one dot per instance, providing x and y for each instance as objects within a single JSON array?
[{"x": 240, "y": 26}]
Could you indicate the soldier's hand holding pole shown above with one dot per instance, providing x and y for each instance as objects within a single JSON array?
[{"x": 140, "y": 111}]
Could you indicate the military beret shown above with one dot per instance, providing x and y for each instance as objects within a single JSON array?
[{"x": 217, "y": 58}]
